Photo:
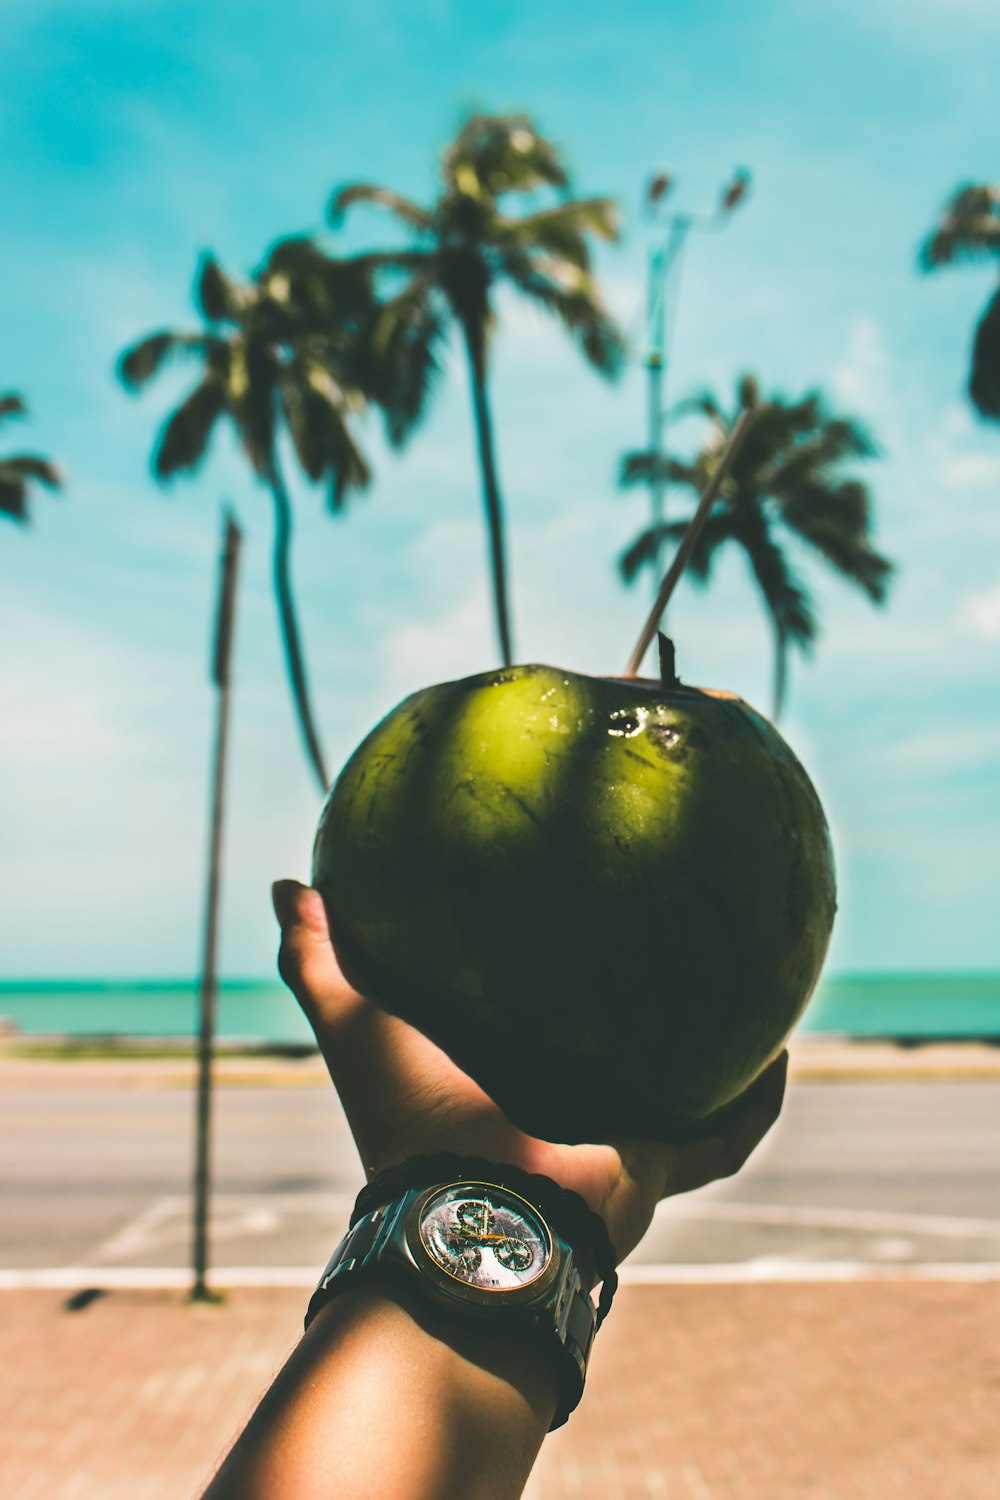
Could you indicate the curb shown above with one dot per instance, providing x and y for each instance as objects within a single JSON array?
[{"x": 742, "y": 1273}]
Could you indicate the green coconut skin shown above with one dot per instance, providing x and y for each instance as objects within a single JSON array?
[{"x": 608, "y": 900}]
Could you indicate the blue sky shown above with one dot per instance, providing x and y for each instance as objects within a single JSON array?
[{"x": 138, "y": 134}]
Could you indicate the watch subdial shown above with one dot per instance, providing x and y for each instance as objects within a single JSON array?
[
  {"x": 465, "y": 1258},
  {"x": 513, "y": 1254}
]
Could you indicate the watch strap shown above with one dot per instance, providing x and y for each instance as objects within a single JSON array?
[{"x": 576, "y": 1222}]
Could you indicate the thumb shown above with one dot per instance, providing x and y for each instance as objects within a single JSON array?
[{"x": 306, "y": 960}]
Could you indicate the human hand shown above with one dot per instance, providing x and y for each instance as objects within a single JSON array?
[{"x": 403, "y": 1096}]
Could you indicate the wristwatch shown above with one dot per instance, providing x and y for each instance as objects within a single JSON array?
[{"x": 481, "y": 1249}]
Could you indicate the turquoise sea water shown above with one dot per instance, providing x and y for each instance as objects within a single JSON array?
[{"x": 896, "y": 1005}]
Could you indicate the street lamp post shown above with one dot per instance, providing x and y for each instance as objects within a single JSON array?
[
  {"x": 221, "y": 654},
  {"x": 663, "y": 257}
]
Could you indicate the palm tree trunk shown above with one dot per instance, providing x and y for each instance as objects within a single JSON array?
[
  {"x": 491, "y": 494},
  {"x": 289, "y": 624}
]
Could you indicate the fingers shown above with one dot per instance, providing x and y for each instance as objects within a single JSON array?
[
  {"x": 306, "y": 960},
  {"x": 399, "y": 1091},
  {"x": 723, "y": 1153}
]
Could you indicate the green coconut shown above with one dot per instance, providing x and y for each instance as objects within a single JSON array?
[{"x": 607, "y": 899}]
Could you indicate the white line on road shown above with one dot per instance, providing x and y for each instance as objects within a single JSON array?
[
  {"x": 141, "y": 1278},
  {"x": 766, "y": 1269},
  {"x": 774, "y": 1268},
  {"x": 136, "y": 1235},
  {"x": 167, "y": 1220},
  {"x": 139, "y": 1233},
  {"x": 947, "y": 1227}
]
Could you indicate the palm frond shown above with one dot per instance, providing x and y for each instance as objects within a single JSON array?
[
  {"x": 835, "y": 522},
  {"x": 141, "y": 361},
  {"x": 406, "y": 343},
  {"x": 294, "y": 253},
  {"x": 318, "y": 412},
  {"x": 350, "y": 470},
  {"x": 786, "y": 597},
  {"x": 562, "y": 231},
  {"x": 386, "y": 266},
  {"x": 184, "y": 439},
  {"x": 17, "y": 474},
  {"x": 717, "y": 530},
  {"x": 968, "y": 230},
  {"x": 856, "y": 560},
  {"x": 12, "y": 405},
  {"x": 819, "y": 507},
  {"x": 849, "y": 437},
  {"x": 643, "y": 552},
  {"x": 13, "y": 495},
  {"x": 786, "y": 473},
  {"x": 254, "y": 374},
  {"x": 496, "y": 154},
  {"x": 641, "y": 467},
  {"x": 649, "y": 547},
  {"x": 30, "y": 466},
  {"x": 368, "y": 192},
  {"x": 699, "y": 403},
  {"x": 805, "y": 463},
  {"x": 219, "y": 298},
  {"x": 572, "y": 296},
  {"x": 313, "y": 403},
  {"x": 318, "y": 294},
  {"x": 984, "y": 381}
]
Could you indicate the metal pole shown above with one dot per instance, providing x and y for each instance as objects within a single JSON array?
[
  {"x": 221, "y": 654},
  {"x": 661, "y": 261}
]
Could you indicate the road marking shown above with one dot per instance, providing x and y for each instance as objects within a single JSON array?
[
  {"x": 138, "y": 1233},
  {"x": 766, "y": 1269},
  {"x": 143, "y": 1278},
  {"x": 878, "y": 1222},
  {"x": 168, "y": 1220},
  {"x": 776, "y": 1268}
]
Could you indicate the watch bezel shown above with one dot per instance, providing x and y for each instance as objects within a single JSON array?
[{"x": 454, "y": 1287}]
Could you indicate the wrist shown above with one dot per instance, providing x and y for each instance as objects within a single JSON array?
[
  {"x": 488, "y": 1371},
  {"x": 463, "y": 1408},
  {"x": 421, "y": 1406},
  {"x": 593, "y": 1251},
  {"x": 487, "y": 1245}
]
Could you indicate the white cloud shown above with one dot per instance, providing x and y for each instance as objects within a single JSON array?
[
  {"x": 529, "y": 333},
  {"x": 86, "y": 711},
  {"x": 942, "y": 751},
  {"x": 964, "y": 471},
  {"x": 456, "y": 643},
  {"x": 861, "y": 381},
  {"x": 980, "y": 614},
  {"x": 957, "y": 421}
]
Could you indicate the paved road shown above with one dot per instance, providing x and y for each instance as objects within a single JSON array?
[{"x": 97, "y": 1175}]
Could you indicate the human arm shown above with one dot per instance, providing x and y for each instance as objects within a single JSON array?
[{"x": 387, "y": 1394}]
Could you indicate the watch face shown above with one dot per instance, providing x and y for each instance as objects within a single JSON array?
[{"x": 484, "y": 1237}]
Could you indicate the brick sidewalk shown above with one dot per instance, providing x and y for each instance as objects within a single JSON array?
[{"x": 767, "y": 1392}]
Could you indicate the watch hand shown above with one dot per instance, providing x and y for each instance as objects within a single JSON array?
[{"x": 488, "y": 1239}]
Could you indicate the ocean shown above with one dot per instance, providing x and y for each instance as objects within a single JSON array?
[{"x": 917, "y": 1006}]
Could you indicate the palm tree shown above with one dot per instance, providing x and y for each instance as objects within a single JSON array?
[
  {"x": 969, "y": 230},
  {"x": 788, "y": 476},
  {"x": 464, "y": 246},
  {"x": 20, "y": 471},
  {"x": 287, "y": 348}
]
